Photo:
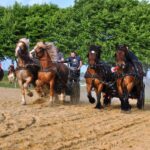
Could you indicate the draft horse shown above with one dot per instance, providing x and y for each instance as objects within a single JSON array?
[
  {"x": 129, "y": 83},
  {"x": 1, "y": 73},
  {"x": 27, "y": 70},
  {"x": 52, "y": 73},
  {"x": 97, "y": 76}
]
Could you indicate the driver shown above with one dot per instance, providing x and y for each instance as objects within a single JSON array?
[{"x": 75, "y": 62}]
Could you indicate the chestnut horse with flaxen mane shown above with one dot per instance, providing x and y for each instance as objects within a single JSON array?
[{"x": 52, "y": 73}]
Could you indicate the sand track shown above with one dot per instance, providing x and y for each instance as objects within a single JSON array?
[{"x": 37, "y": 126}]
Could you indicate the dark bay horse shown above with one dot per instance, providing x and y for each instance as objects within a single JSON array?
[
  {"x": 1, "y": 73},
  {"x": 26, "y": 71},
  {"x": 52, "y": 73},
  {"x": 97, "y": 76},
  {"x": 129, "y": 83}
]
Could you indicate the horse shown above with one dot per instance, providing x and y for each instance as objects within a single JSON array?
[
  {"x": 129, "y": 83},
  {"x": 27, "y": 70},
  {"x": 52, "y": 73},
  {"x": 11, "y": 75},
  {"x": 1, "y": 73},
  {"x": 98, "y": 76}
]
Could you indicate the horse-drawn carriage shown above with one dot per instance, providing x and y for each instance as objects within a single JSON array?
[
  {"x": 73, "y": 84},
  {"x": 63, "y": 79},
  {"x": 125, "y": 83}
]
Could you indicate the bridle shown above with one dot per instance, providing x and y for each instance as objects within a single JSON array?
[
  {"x": 95, "y": 60},
  {"x": 40, "y": 52},
  {"x": 121, "y": 60}
]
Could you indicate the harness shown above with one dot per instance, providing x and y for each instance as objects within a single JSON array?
[
  {"x": 122, "y": 75},
  {"x": 25, "y": 67},
  {"x": 94, "y": 76},
  {"x": 48, "y": 69}
]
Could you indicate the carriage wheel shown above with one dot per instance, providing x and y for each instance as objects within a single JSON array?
[
  {"x": 141, "y": 100},
  {"x": 143, "y": 96},
  {"x": 75, "y": 94}
]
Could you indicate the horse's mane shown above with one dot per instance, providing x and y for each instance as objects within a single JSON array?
[
  {"x": 25, "y": 41},
  {"x": 50, "y": 48},
  {"x": 122, "y": 48},
  {"x": 52, "y": 51}
]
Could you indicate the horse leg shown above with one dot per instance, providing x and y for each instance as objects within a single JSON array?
[
  {"x": 91, "y": 99},
  {"x": 39, "y": 90},
  {"x": 26, "y": 84},
  {"x": 127, "y": 106},
  {"x": 128, "y": 86},
  {"x": 51, "y": 91},
  {"x": 98, "y": 94},
  {"x": 107, "y": 100},
  {"x": 120, "y": 92},
  {"x": 62, "y": 96},
  {"x": 23, "y": 100}
]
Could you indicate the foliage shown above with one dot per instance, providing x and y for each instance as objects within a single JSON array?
[{"x": 103, "y": 22}]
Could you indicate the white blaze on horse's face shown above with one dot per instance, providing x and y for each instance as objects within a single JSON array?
[
  {"x": 93, "y": 52},
  {"x": 92, "y": 58}
]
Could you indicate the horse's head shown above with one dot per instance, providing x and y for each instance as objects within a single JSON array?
[
  {"x": 94, "y": 55},
  {"x": 40, "y": 49},
  {"x": 120, "y": 58},
  {"x": 92, "y": 59},
  {"x": 22, "y": 47},
  {"x": 11, "y": 68}
]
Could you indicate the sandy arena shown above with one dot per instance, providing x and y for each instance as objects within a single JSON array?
[{"x": 38, "y": 126}]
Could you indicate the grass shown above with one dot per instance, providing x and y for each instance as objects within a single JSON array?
[{"x": 5, "y": 83}]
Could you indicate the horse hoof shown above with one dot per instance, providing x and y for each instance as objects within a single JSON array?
[
  {"x": 51, "y": 103},
  {"x": 126, "y": 111},
  {"x": 62, "y": 102},
  {"x": 98, "y": 107},
  {"x": 30, "y": 94},
  {"x": 23, "y": 103},
  {"x": 92, "y": 100}
]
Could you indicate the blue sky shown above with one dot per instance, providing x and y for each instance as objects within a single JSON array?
[{"x": 60, "y": 3}]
